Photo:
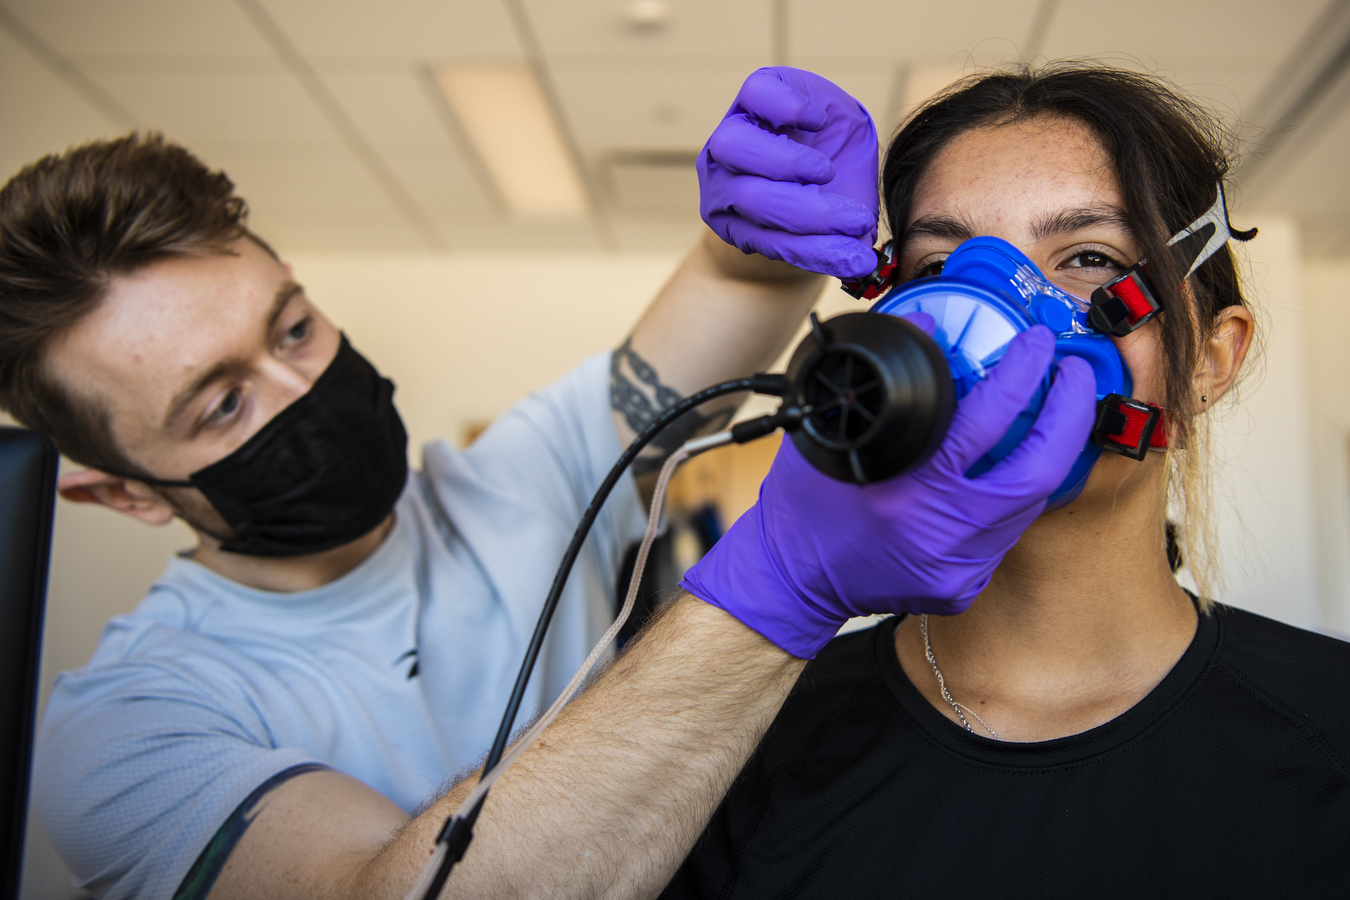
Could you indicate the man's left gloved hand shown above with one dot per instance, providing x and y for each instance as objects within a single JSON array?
[{"x": 791, "y": 173}]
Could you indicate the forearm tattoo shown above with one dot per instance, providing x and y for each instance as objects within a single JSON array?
[{"x": 637, "y": 393}]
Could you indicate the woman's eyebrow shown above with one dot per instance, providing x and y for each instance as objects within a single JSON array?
[
  {"x": 945, "y": 227},
  {"x": 1067, "y": 221}
]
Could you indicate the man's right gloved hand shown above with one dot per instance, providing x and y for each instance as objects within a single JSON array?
[
  {"x": 791, "y": 173},
  {"x": 815, "y": 551}
]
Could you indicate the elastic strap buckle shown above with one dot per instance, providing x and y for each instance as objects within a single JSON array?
[
  {"x": 881, "y": 279},
  {"x": 1124, "y": 303},
  {"x": 1128, "y": 426}
]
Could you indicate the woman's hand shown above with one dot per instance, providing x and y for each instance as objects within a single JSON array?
[
  {"x": 791, "y": 174},
  {"x": 815, "y": 551}
]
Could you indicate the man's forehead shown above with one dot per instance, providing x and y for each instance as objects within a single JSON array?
[{"x": 158, "y": 328}]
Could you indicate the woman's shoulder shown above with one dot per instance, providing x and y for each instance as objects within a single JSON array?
[
  {"x": 1278, "y": 648},
  {"x": 1301, "y": 675}
]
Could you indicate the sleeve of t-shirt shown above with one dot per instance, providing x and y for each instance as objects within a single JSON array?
[
  {"x": 136, "y": 768},
  {"x": 556, "y": 446}
]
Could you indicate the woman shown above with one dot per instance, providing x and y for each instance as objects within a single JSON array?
[{"x": 1086, "y": 727}]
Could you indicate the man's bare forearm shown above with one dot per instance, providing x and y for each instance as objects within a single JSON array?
[
  {"x": 613, "y": 796},
  {"x": 723, "y": 314}
]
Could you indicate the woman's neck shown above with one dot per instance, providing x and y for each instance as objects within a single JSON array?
[{"x": 1082, "y": 619}]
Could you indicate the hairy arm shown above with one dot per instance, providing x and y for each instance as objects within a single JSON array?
[
  {"x": 606, "y": 804},
  {"x": 722, "y": 315}
]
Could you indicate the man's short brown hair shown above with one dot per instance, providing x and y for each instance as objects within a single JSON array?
[{"x": 69, "y": 223}]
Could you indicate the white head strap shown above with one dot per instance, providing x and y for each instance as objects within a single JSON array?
[{"x": 1202, "y": 238}]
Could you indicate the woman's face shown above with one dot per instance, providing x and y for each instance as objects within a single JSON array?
[{"x": 1045, "y": 186}]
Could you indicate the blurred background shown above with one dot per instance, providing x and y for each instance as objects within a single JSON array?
[{"x": 483, "y": 192}]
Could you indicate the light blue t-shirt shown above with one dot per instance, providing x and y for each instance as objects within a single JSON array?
[{"x": 395, "y": 674}]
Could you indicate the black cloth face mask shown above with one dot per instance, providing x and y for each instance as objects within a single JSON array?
[{"x": 323, "y": 472}]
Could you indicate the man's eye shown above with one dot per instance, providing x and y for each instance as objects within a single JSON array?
[
  {"x": 299, "y": 330},
  {"x": 227, "y": 406}
]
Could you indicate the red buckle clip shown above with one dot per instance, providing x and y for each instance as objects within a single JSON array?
[
  {"x": 1124, "y": 303},
  {"x": 883, "y": 276},
  {"x": 1128, "y": 426}
]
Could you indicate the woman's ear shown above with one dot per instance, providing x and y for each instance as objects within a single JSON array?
[
  {"x": 129, "y": 497},
  {"x": 1222, "y": 358}
]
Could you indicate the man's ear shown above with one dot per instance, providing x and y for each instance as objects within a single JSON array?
[
  {"x": 1222, "y": 359},
  {"x": 132, "y": 498}
]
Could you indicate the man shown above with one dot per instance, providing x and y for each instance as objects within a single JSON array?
[{"x": 342, "y": 638}]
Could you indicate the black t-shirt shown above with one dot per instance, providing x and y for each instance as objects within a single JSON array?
[{"x": 1230, "y": 779}]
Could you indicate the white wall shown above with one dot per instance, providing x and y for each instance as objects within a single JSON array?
[
  {"x": 1327, "y": 287},
  {"x": 465, "y": 337},
  {"x": 1265, "y": 482}
]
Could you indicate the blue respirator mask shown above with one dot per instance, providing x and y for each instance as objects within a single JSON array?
[
  {"x": 988, "y": 292},
  {"x": 891, "y": 389}
]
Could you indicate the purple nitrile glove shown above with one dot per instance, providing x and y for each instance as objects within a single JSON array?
[
  {"x": 791, "y": 173},
  {"x": 815, "y": 551}
]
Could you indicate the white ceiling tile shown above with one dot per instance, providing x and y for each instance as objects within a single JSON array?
[
  {"x": 1227, "y": 86},
  {"x": 884, "y": 30},
  {"x": 642, "y": 233},
  {"x": 40, "y": 112},
  {"x": 228, "y": 101},
  {"x": 292, "y": 231},
  {"x": 646, "y": 184},
  {"x": 1247, "y": 30},
  {"x": 1317, "y": 181},
  {"x": 622, "y": 106},
  {"x": 487, "y": 234},
  {"x": 1224, "y": 85},
  {"x": 707, "y": 28},
  {"x": 387, "y": 102},
  {"x": 290, "y": 178},
  {"x": 442, "y": 184},
  {"x": 142, "y": 27},
  {"x": 311, "y": 197},
  {"x": 399, "y": 29}
]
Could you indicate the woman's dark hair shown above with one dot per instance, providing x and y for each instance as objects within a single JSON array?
[{"x": 1169, "y": 155}]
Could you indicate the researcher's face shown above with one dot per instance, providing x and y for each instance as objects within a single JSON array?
[
  {"x": 1045, "y": 186},
  {"x": 190, "y": 356}
]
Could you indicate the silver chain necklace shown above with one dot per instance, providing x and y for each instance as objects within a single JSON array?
[{"x": 942, "y": 685}]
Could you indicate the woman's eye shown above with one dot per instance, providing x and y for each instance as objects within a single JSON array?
[
  {"x": 1092, "y": 259},
  {"x": 932, "y": 270}
]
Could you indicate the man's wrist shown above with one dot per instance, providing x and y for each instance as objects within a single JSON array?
[
  {"x": 731, "y": 262},
  {"x": 739, "y": 577}
]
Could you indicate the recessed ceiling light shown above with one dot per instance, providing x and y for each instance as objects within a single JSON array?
[
  {"x": 510, "y": 124},
  {"x": 647, "y": 15}
]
